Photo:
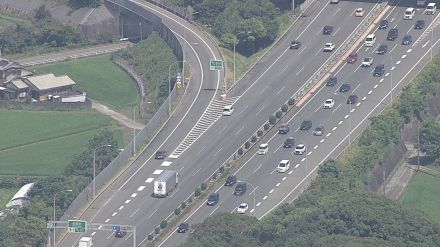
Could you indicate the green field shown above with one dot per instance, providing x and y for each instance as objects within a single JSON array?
[
  {"x": 7, "y": 21},
  {"x": 6, "y": 195},
  {"x": 43, "y": 143},
  {"x": 101, "y": 79},
  {"x": 423, "y": 193}
]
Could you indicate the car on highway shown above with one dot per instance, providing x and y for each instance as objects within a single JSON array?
[
  {"x": 242, "y": 208},
  {"x": 120, "y": 234},
  {"x": 213, "y": 199},
  {"x": 370, "y": 40},
  {"x": 306, "y": 125},
  {"x": 284, "y": 128},
  {"x": 352, "y": 99},
  {"x": 334, "y": 1},
  {"x": 319, "y": 131},
  {"x": 329, "y": 103},
  {"x": 352, "y": 58},
  {"x": 359, "y": 12},
  {"x": 183, "y": 227},
  {"x": 289, "y": 142},
  {"x": 300, "y": 149},
  {"x": 231, "y": 180},
  {"x": 420, "y": 24},
  {"x": 407, "y": 39},
  {"x": 430, "y": 9},
  {"x": 240, "y": 189},
  {"x": 344, "y": 88},
  {"x": 367, "y": 62},
  {"x": 283, "y": 166},
  {"x": 329, "y": 47},
  {"x": 327, "y": 30},
  {"x": 379, "y": 70},
  {"x": 160, "y": 154},
  {"x": 228, "y": 110},
  {"x": 263, "y": 149},
  {"x": 382, "y": 49},
  {"x": 331, "y": 81},
  {"x": 295, "y": 44},
  {"x": 393, "y": 34},
  {"x": 409, "y": 14},
  {"x": 383, "y": 24}
]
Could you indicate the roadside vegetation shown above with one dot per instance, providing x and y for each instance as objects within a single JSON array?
[
  {"x": 336, "y": 211},
  {"x": 101, "y": 79},
  {"x": 151, "y": 59}
]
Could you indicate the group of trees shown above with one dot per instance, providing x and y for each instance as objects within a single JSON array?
[
  {"x": 152, "y": 59},
  {"x": 76, "y": 4},
  {"x": 336, "y": 211},
  {"x": 251, "y": 24},
  {"x": 28, "y": 227}
]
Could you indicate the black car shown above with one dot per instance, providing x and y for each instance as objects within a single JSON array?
[
  {"x": 295, "y": 44},
  {"x": 160, "y": 154},
  {"x": 379, "y": 70},
  {"x": 352, "y": 99},
  {"x": 231, "y": 180},
  {"x": 213, "y": 199},
  {"x": 332, "y": 81},
  {"x": 120, "y": 234},
  {"x": 306, "y": 125},
  {"x": 289, "y": 142},
  {"x": 344, "y": 88},
  {"x": 240, "y": 189},
  {"x": 383, "y": 24},
  {"x": 284, "y": 128},
  {"x": 327, "y": 30},
  {"x": 382, "y": 49},
  {"x": 407, "y": 40},
  {"x": 183, "y": 227},
  {"x": 420, "y": 24},
  {"x": 392, "y": 34}
]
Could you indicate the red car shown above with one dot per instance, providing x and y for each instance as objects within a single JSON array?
[
  {"x": 352, "y": 58},
  {"x": 120, "y": 234}
]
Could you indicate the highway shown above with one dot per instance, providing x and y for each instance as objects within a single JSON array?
[
  {"x": 282, "y": 72},
  {"x": 267, "y": 188}
]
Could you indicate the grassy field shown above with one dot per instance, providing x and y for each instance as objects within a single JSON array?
[
  {"x": 423, "y": 193},
  {"x": 101, "y": 79},
  {"x": 7, "y": 21},
  {"x": 6, "y": 195},
  {"x": 43, "y": 143}
]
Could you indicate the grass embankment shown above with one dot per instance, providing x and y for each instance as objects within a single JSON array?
[
  {"x": 5, "y": 196},
  {"x": 43, "y": 143},
  {"x": 8, "y": 21},
  {"x": 422, "y": 193},
  {"x": 101, "y": 79}
]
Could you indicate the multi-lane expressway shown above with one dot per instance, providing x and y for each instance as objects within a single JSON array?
[
  {"x": 127, "y": 200},
  {"x": 268, "y": 188}
]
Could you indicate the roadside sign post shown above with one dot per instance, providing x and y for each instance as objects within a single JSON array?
[
  {"x": 77, "y": 226},
  {"x": 116, "y": 228},
  {"x": 215, "y": 64}
]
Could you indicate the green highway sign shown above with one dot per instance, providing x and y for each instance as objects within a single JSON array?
[
  {"x": 215, "y": 64},
  {"x": 77, "y": 226}
]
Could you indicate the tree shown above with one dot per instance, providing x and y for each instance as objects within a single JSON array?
[
  {"x": 76, "y": 4},
  {"x": 430, "y": 137},
  {"x": 42, "y": 13}
]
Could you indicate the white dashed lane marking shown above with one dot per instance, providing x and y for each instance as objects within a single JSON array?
[
  {"x": 149, "y": 180},
  {"x": 141, "y": 188},
  {"x": 157, "y": 172}
]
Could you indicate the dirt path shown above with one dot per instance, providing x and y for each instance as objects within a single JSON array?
[
  {"x": 395, "y": 185},
  {"x": 116, "y": 116}
]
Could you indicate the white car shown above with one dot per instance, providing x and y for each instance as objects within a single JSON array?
[
  {"x": 228, "y": 110},
  {"x": 242, "y": 208},
  {"x": 329, "y": 103},
  {"x": 359, "y": 12},
  {"x": 300, "y": 149},
  {"x": 334, "y": 1},
  {"x": 263, "y": 149},
  {"x": 329, "y": 47},
  {"x": 283, "y": 166}
]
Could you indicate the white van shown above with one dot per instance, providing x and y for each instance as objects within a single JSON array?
[
  {"x": 370, "y": 40},
  {"x": 409, "y": 14},
  {"x": 228, "y": 110},
  {"x": 283, "y": 166},
  {"x": 263, "y": 149},
  {"x": 430, "y": 9}
]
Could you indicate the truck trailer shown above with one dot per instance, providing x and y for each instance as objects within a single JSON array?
[
  {"x": 165, "y": 183},
  {"x": 85, "y": 242}
]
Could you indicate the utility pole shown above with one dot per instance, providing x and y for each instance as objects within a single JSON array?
[{"x": 418, "y": 148}]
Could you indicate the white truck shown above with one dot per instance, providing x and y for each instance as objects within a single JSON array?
[
  {"x": 165, "y": 183},
  {"x": 85, "y": 242}
]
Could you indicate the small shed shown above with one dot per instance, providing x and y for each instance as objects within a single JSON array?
[{"x": 44, "y": 85}]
